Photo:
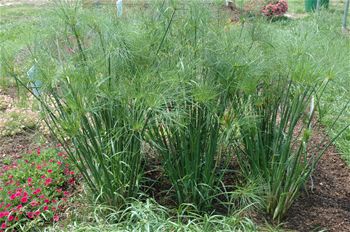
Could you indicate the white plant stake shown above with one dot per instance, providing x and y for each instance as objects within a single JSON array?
[
  {"x": 119, "y": 4},
  {"x": 35, "y": 84},
  {"x": 346, "y": 11},
  {"x": 312, "y": 106},
  {"x": 318, "y": 4}
]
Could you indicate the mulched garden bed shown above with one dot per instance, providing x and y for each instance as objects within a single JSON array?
[{"x": 324, "y": 204}]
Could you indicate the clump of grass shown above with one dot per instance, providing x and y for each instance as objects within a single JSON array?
[
  {"x": 150, "y": 216},
  {"x": 190, "y": 153},
  {"x": 275, "y": 147}
]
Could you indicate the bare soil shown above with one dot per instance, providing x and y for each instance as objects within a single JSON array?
[{"x": 325, "y": 202}]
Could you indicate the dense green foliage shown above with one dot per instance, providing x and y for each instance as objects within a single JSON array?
[{"x": 201, "y": 93}]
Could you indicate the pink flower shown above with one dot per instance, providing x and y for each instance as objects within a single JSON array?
[
  {"x": 37, "y": 191},
  {"x": 49, "y": 171},
  {"x": 33, "y": 203},
  {"x": 37, "y": 213},
  {"x": 45, "y": 208},
  {"x": 13, "y": 196},
  {"x": 38, "y": 151},
  {"x": 24, "y": 199},
  {"x": 11, "y": 217},
  {"x": 48, "y": 181},
  {"x": 30, "y": 215},
  {"x": 3, "y": 225},
  {"x": 56, "y": 218},
  {"x": 4, "y": 214}
]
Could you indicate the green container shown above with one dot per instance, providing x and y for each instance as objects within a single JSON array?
[{"x": 310, "y": 5}]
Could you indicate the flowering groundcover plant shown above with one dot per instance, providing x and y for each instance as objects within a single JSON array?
[
  {"x": 275, "y": 8},
  {"x": 33, "y": 190}
]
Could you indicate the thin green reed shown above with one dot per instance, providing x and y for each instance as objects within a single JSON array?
[
  {"x": 274, "y": 148},
  {"x": 98, "y": 102}
]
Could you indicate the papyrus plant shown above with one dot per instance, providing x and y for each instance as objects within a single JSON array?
[
  {"x": 97, "y": 98},
  {"x": 275, "y": 148}
]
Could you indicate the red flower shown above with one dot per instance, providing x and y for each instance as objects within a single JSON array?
[
  {"x": 37, "y": 191},
  {"x": 24, "y": 199},
  {"x": 45, "y": 208},
  {"x": 71, "y": 172},
  {"x": 38, "y": 151},
  {"x": 71, "y": 181},
  {"x": 47, "y": 201},
  {"x": 37, "y": 213},
  {"x": 13, "y": 196},
  {"x": 49, "y": 171},
  {"x": 4, "y": 214},
  {"x": 19, "y": 207},
  {"x": 56, "y": 218},
  {"x": 11, "y": 217},
  {"x": 30, "y": 214},
  {"x": 3, "y": 225},
  {"x": 33, "y": 203},
  {"x": 48, "y": 181}
]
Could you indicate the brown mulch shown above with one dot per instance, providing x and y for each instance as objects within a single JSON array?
[
  {"x": 325, "y": 203},
  {"x": 12, "y": 147}
]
